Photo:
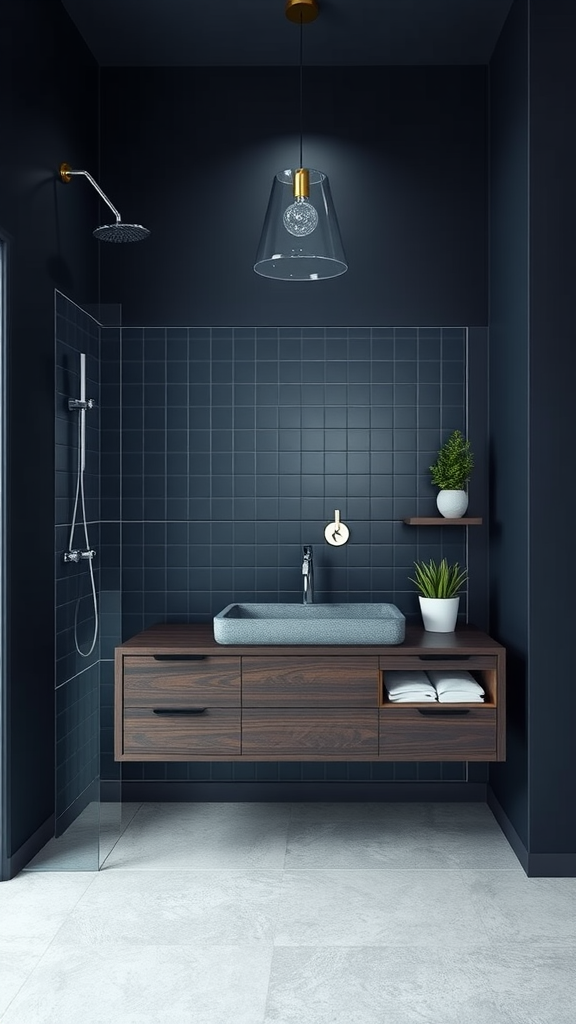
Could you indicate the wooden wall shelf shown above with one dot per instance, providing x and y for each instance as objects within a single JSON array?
[{"x": 441, "y": 521}]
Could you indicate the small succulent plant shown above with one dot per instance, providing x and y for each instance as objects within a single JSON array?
[{"x": 438, "y": 579}]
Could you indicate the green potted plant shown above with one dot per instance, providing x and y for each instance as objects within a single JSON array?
[
  {"x": 439, "y": 585},
  {"x": 451, "y": 472}
]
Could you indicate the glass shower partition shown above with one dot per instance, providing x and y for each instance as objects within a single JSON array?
[{"x": 87, "y": 790}]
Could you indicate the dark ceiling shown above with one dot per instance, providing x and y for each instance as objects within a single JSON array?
[{"x": 256, "y": 32}]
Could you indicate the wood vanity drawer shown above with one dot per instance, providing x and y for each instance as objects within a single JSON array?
[
  {"x": 310, "y": 682},
  {"x": 177, "y": 680},
  {"x": 437, "y": 733},
  {"x": 294, "y": 733},
  {"x": 175, "y": 736}
]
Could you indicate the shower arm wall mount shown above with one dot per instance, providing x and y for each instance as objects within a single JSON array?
[{"x": 66, "y": 174}]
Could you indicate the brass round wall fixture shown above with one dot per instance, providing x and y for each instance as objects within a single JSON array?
[
  {"x": 302, "y": 12},
  {"x": 65, "y": 172}
]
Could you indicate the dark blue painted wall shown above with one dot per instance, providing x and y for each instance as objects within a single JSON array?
[
  {"x": 552, "y": 430},
  {"x": 48, "y": 113},
  {"x": 509, "y": 399},
  {"x": 532, "y": 385},
  {"x": 192, "y": 152}
]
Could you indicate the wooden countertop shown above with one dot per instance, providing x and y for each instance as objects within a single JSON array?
[{"x": 198, "y": 638}]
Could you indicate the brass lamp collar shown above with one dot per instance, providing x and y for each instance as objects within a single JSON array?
[{"x": 301, "y": 183}]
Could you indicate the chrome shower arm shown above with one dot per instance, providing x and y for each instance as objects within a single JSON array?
[{"x": 66, "y": 173}]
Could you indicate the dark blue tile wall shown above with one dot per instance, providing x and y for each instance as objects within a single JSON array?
[
  {"x": 111, "y": 536},
  {"x": 77, "y": 738},
  {"x": 236, "y": 445},
  {"x": 239, "y": 444}
]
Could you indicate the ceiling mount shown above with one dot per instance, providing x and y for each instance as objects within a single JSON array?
[{"x": 302, "y": 12}]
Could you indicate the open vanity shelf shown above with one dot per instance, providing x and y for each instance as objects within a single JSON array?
[{"x": 180, "y": 696}]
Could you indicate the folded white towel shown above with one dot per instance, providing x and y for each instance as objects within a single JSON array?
[
  {"x": 413, "y": 695},
  {"x": 403, "y": 682},
  {"x": 403, "y": 679},
  {"x": 460, "y": 696},
  {"x": 449, "y": 681}
]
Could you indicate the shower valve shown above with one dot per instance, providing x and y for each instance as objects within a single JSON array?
[
  {"x": 76, "y": 403},
  {"x": 77, "y": 556}
]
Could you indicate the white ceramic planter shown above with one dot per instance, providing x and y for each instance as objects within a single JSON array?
[
  {"x": 452, "y": 504},
  {"x": 439, "y": 614}
]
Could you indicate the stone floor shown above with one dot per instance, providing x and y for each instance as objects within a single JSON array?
[{"x": 302, "y": 913}]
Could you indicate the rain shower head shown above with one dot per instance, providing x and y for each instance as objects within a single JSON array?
[{"x": 117, "y": 232}]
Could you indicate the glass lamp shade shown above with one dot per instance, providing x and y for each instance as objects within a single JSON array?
[{"x": 294, "y": 245}]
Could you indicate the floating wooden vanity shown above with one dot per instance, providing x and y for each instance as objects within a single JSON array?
[{"x": 180, "y": 696}]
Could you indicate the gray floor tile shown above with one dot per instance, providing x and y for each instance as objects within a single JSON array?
[
  {"x": 364, "y": 843},
  {"x": 416, "y": 813},
  {"x": 18, "y": 958},
  {"x": 379, "y": 986},
  {"x": 145, "y": 985},
  {"x": 394, "y": 835},
  {"x": 514, "y": 908},
  {"x": 533, "y": 985},
  {"x": 471, "y": 837},
  {"x": 186, "y": 836},
  {"x": 176, "y": 908},
  {"x": 377, "y": 908},
  {"x": 34, "y": 905}
]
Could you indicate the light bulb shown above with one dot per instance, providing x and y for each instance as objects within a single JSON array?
[{"x": 300, "y": 218}]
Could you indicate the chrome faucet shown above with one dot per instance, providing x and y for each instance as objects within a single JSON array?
[{"x": 308, "y": 576}]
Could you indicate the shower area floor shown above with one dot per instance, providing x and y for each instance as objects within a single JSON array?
[{"x": 295, "y": 913}]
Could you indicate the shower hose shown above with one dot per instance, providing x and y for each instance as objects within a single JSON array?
[{"x": 80, "y": 495}]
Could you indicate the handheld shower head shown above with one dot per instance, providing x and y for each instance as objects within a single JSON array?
[{"x": 117, "y": 232}]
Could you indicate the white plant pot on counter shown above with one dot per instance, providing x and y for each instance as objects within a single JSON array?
[
  {"x": 452, "y": 504},
  {"x": 439, "y": 614}
]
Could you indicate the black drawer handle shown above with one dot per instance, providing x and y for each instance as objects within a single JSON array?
[
  {"x": 179, "y": 657},
  {"x": 443, "y": 657},
  {"x": 444, "y": 711},
  {"x": 178, "y": 711}
]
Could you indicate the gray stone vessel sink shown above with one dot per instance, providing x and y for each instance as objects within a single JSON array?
[{"x": 309, "y": 624}]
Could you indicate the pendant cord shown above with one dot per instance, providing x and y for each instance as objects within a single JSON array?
[{"x": 301, "y": 90}]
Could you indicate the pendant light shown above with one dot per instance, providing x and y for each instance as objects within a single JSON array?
[{"x": 300, "y": 239}]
